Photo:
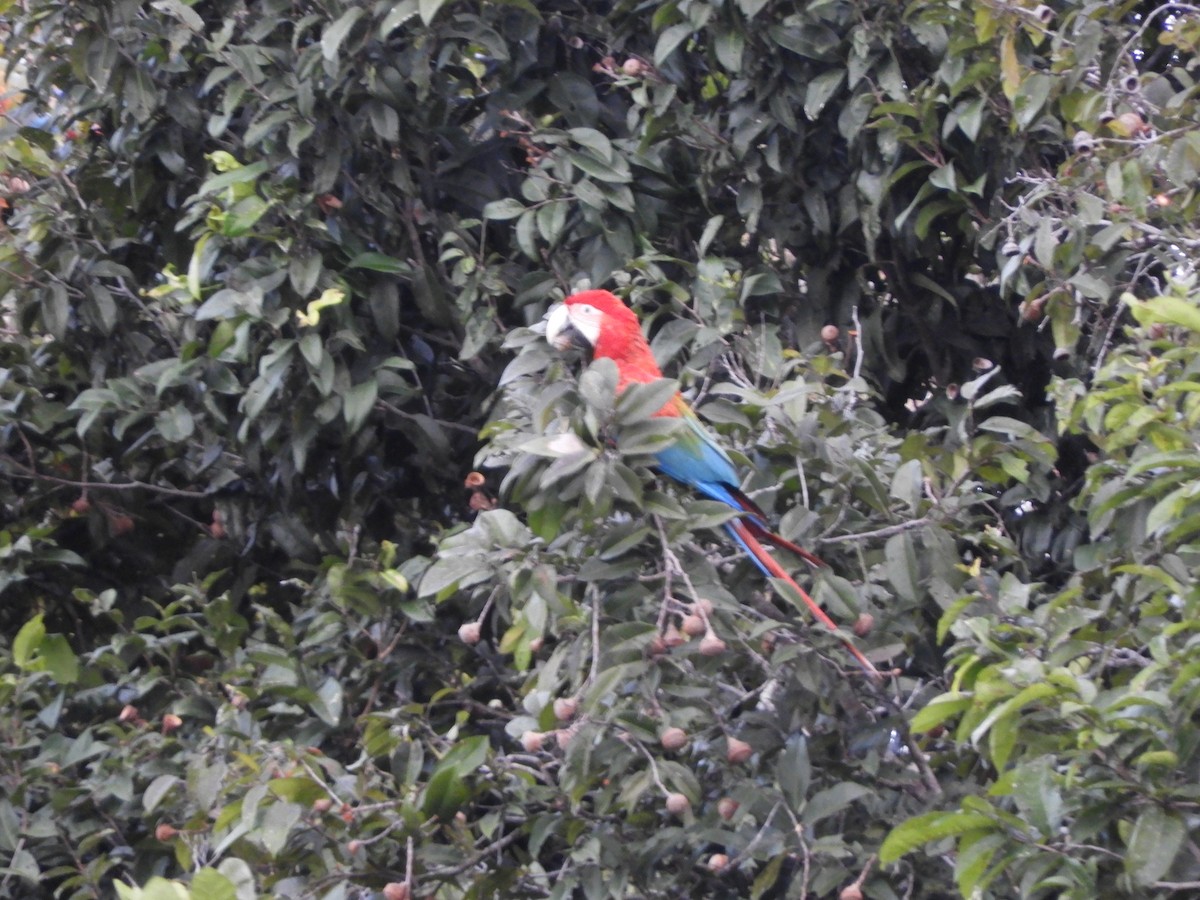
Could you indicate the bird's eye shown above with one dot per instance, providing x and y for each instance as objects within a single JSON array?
[{"x": 587, "y": 310}]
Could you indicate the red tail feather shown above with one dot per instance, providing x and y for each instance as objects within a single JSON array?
[
  {"x": 784, "y": 544},
  {"x": 750, "y": 535}
]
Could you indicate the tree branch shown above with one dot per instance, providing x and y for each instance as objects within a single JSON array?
[
  {"x": 30, "y": 474},
  {"x": 879, "y": 532}
]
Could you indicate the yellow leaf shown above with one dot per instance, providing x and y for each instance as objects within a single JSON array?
[{"x": 1010, "y": 69}]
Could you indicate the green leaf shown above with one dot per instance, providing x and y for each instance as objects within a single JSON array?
[
  {"x": 711, "y": 227},
  {"x": 27, "y": 642},
  {"x": 357, "y": 404},
  {"x": 429, "y": 9},
  {"x": 332, "y": 39},
  {"x": 452, "y": 571},
  {"x": 1153, "y": 844},
  {"x": 181, "y": 11},
  {"x": 328, "y": 701},
  {"x": 639, "y": 402},
  {"x": 1167, "y": 310},
  {"x": 938, "y": 710},
  {"x": 833, "y": 800},
  {"x": 209, "y": 884},
  {"x": 794, "y": 771},
  {"x": 1031, "y": 694},
  {"x": 277, "y": 824},
  {"x": 234, "y": 176},
  {"x": 380, "y": 262},
  {"x": 670, "y": 40},
  {"x": 444, "y": 795},
  {"x": 934, "y": 826},
  {"x": 157, "y": 790},
  {"x": 903, "y": 569},
  {"x": 648, "y": 437},
  {"x": 751, "y": 8},
  {"x": 820, "y": 90},
  {"x": 58, "y": 659},
  {"x": 175, "y": 424},
  {"x": 505, "y": 208}
]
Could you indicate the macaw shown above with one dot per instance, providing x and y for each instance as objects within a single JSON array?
[{"x": 599, "y": 322}]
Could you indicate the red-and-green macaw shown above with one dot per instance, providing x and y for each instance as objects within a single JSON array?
[{"x": 600, "y": 323}]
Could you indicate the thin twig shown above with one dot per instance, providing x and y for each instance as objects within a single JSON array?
[
  {"x": 862, "y": 876},
  {"x": 798, "y": 827},
  {"x": 454, "y": 426},
  {"x": 653, "y": 767},
  {"x": 858, "y": 348},
  {"x": 33, "y": 475},
  {"x": 918, "y": 755},
  {"x": 754, "y": 841},
  {"x": 510, "y": 838},
  {"x": 408, "y": 864},
  {"x": 879, "y": 532},
  {"x": 591, "y": 589}
]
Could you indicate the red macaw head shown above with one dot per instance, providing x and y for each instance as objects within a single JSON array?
[
  {"x": 601, "y": 323},
  {"x": 583, "y": 320}
]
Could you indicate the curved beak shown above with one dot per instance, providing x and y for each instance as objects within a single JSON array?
[{"x": 561, "y": 331}]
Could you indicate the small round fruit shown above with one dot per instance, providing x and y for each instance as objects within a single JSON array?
[
  {"x": 727, "y": 808},
  {"x": 633, "y": 67},
  {"x": 863, "y": 624},
  {"x": 565, "y": 708},
  {"x": 170, "y": 722},
  {"x": 711, "y": 645},
  {"x": 165, "y": 832},
  {"x": 1033, "y": 310},
  {"x": 677, "y": 804},
  {"x": 672, "y": 638},
  {"x": 830, "y": 333},
  {"x": 564, "y": 736},
  {"x": 694, "y": 625},
  {"x": 851, "y": 892},
  {"x": 120, "y": 524},
  {"x": 470, "y": 632},
  {"x": 532, "y": 741},
  {"x": 673, "y": 739},
  {"x": 352, "y": 847},
  {"x": 717, "y": 862},
  {"x": 737, "y": 751},
  {"x": 704, "y": 605},
  {"x": 396, "y": 890},
  {"x": 536, "y": 644},
  {"x": 1129, "y": 123},
  {"x": 322, "y": 805}
]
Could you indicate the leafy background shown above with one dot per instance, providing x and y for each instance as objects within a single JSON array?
[{"x": 272, "y": 274}]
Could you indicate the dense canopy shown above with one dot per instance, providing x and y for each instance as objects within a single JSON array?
[{"x": 324, "y": 575}]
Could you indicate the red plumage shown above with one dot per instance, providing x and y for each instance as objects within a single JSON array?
[{"x": 621, "y": 339}]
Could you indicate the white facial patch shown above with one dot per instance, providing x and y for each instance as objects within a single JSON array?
[{"x": 574, "y": 325}]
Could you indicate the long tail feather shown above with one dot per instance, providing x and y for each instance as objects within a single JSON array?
[
  {"x": 745, "y": 536},
  {"x": 756, "y": 521},
  {"x": 765, "y": 534}
]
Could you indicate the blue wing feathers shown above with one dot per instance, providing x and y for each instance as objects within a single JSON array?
[{"x": 697, "y": 460}]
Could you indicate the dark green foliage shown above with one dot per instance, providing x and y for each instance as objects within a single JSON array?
[{"x": 270, "y": 279}]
